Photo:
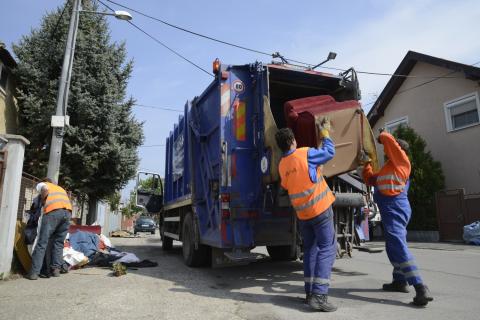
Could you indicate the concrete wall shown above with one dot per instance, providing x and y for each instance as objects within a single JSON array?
[
  {"x": 8, "y": 107},
  {"x": 110, "y": 221},
  {"x": 458, "y": 151}
]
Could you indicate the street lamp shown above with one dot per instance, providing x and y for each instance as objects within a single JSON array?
[
  {"x": 60, "y": 119},
  {"x": 119, "y": 14},
  {"x": 331, "y": 56}
]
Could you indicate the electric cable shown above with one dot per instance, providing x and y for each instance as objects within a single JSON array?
[
  {"x": 152, "y": 146},
  {"x": 157, "y": 107},
  {"x": 273, "y": 55},
  {"x": 422, "y": 84},
  {"x": 54, "y": 32},
  {"x": 162, "y": 44}
]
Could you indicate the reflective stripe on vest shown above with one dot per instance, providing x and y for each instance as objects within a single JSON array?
[
  {"x": 390, "y": 184},
  {"x": 307, "y": 198},
  {"x": 57, "y": 198}
]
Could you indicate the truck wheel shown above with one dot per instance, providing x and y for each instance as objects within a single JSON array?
[
  {"x": 283, "y": 253},
  {"x": 192, "y": 257}
]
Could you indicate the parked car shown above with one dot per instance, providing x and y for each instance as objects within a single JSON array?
[{"x": 145, "y": 224}]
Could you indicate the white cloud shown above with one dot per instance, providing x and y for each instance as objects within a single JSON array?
[{"x": 445, "y": 29}]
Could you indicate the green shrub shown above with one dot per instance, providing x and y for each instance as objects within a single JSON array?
[{"x": 425, "y": 180}]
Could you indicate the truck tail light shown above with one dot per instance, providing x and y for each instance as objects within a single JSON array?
[
  {"x": 225, "y": 214},
  {"x": 216, "y": 66},
  {"x": 225, "y": 205}
]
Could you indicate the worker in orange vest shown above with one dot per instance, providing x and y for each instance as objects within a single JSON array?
[
  {"x": 312, "y": 200},
  {"x": 57, "y": 212},
  {"x": 391, "y": 185}
]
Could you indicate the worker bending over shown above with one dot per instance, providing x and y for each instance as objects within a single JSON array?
[
  {"x": 312, "y": 199},
  {"x": 391, "y": 189},
  {"x": 57, "y": 212}
]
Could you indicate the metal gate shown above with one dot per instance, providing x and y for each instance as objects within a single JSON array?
[{"x": 454, "y": 210}]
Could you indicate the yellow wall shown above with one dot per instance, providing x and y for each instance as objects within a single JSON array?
[{"x": 8, "y": 108}]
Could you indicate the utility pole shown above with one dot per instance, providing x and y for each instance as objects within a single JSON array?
[{"x": 59, "y": 120}]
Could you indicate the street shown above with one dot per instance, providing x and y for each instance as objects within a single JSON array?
[{"x": 263, "y": 290}]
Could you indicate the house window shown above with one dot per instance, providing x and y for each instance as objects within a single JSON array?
[
  {"x": 3, "y": 77},
  {"x": 462, "y": 112},
  {"x": 393, "y": 125}
]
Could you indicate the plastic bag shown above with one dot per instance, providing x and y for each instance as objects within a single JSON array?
[
  {"x": 74, "y": 258},
  {"x": 471, "y": 233}
]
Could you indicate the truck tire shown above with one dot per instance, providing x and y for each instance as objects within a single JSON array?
[
  {"x": 192, "y": 257},
  {"x": 283, "y": 253}
]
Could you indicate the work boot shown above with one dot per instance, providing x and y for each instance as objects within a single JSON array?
[
  {"x": 307, "y": 298},
  {"x": 55, "y": 272},
  {"x": 423, "y": 295},
  {"x": 396, "y": 286},
  {"x": 319, "y": 302},
  {"x": 31, "y": 276}
]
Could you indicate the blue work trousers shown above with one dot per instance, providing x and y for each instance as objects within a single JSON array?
[
  {"x": 54, "y": 226},
  {"x": 319, "y": 251},
  {"x": 396, "y": 213}
]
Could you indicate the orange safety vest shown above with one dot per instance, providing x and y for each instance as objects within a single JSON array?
[
  {"x": 393, "y": 176},
  {"x": 309, "y": 199},
  {"x": 57, "y": 198}
]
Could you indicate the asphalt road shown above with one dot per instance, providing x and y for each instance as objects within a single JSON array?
[{"x": 263, "y": 290}]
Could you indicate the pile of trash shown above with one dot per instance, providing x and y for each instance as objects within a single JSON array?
[
  {"x": 471, "y": 233},
  {"x": 84, "y": 246},
  {"x": 88, "y": 248}
]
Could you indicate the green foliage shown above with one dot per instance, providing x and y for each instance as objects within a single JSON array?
[
  {"x": 100, "y": 145},
  {"x": 425, "y": 180},
  {"x": 151, "y": 185},
  {"x": 130, "y": 209},
  {"x": 114, "y": 201}
]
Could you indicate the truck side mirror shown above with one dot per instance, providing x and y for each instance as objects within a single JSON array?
[{"x": 149, "y": 192}]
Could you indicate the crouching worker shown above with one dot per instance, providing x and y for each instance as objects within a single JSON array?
[
  {"x": 391, "y": 189},
  {"x": 312, "y": 200},
  {"x": 57, "y": 211}
]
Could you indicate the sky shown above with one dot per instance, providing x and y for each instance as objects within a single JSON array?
[{"x": 369, "y": 35}]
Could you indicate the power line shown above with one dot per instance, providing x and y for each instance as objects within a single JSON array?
[
  {"x": 152, "y": 146},
  {"x": 273, "y": 55},
  {"x": 162, "y": 44},
  {"x": 434, "y": 79},
  {"x": 157, "y": 107},
  {"x": 59, "y": 19},
  {"x": 190, "y": 31},
  {"x": 423, "y": 83}
]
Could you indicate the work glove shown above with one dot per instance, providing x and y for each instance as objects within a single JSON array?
[
  {"x": 363, "y": 158},
  {"x": 324, "y": 128}
]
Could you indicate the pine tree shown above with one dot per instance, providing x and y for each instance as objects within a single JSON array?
[
  {"x": 425, "y": 180},
  {"x": 100, "y": 146}
]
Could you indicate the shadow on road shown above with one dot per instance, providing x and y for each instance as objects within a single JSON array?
[{"x": 279, "y": 283}]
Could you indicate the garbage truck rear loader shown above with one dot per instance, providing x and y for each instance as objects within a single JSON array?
[{"x": 222, "y": 194}]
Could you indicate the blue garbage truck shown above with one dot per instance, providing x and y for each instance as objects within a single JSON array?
[{"x": 220, "y": 195}]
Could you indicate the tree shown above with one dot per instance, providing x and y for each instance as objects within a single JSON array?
[
  {"x": 425, "y": 180},
  {"x": 100, "y": 145},
  {"x": 130, "y": 209}
]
